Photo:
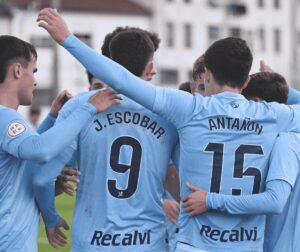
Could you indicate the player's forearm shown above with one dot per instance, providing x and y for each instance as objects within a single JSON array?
[
  {"x": 44, "y": 186},
  {"x": 46, "y": 124},
  {"x": 113, "y": 74},
  {"x": 269, "y": 202},
  {"x": 293, "y": 96},
  {"x": 44, "y": 147}
]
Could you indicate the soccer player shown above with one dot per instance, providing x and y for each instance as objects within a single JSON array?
[
  {"x": 281, "y": 229},
  {"x": 225, "y": 140},
  {"x": 123, "y": 156},
  {"x": 149, "y": 70},
  {"x": 20, "y": 143},
  {"x": 281, "y": 232}
]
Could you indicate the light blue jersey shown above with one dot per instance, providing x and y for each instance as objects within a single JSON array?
[
  {"x": 225, "y": 145},
  {"x": 19, "y": 143},
  {"x": 19, "y": 215},
  {"x": 282, "y": 231},
  {"x": 123, "y": 155}
]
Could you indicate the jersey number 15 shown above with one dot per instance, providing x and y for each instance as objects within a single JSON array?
[{"x": 238, "y": 172}]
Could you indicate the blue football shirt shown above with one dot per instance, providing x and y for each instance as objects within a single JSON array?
[
  {"x": 19, "y": 215},
  {"x": 123, "y": 155},
  {"x": 282, "y": 231},
  {"x": 225, "y": 145}
]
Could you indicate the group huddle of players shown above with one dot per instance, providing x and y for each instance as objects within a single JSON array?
[{"x": 234, "y": 141}]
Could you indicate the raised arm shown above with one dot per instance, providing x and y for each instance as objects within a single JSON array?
[
  {"x": 173, "y": 105},
  {"x": 293, "y": 96},
  {"x": 57, "y": 104}
]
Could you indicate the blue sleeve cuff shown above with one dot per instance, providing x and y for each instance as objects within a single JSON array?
[
  {"x": 51, "y": 117},
  {"x": 51, "y": 222},
  {"x": 208, "y": 200},
  {"x": 68, "y": 40}
]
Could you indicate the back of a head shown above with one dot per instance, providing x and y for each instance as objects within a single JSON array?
[
  {"x": 230, "y": 61},
  {"x": 185, "y": 86},
  {"x": 108, "y": 38},
  {"x": 13, "y": 49},
  {"x": 267, "y": 86},
  {"x": 198, "y": 67},
  {"x": 132, "y": 49}
]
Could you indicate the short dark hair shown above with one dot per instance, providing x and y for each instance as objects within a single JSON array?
[
  {"x": 185, "y": 86},
  {"x": 105, "y": 46},
  {"x": 13, "y": 49},
  {"x": 230, "y": 61},
  {"x": 132, "y": 49},
  {"x": 268, "y": 86},
  {"x": 198, "y": 67}
]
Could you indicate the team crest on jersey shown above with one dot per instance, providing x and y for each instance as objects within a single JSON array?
[{"x": 15, "y": 129}]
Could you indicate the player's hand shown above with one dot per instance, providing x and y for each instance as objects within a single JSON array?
[
  {"x": 62, "y": 183},
  {"x": 263, "y": 67},
  {"x": 194, "y": 203},
  {"x": 59, "y": 101},
  {"x": 53, "y": 23},
  {"x": 171, "y": 209},
  {"x": 56, "y": 237},
  {"x": 104, "y": 99}
]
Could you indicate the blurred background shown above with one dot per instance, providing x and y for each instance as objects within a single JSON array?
[{"x": 186, "y": 28}]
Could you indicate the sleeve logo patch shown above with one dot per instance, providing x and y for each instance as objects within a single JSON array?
[{"x": 15, "y": 129}]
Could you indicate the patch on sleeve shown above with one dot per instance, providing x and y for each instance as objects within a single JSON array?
[{"x": 15, "y": 129}]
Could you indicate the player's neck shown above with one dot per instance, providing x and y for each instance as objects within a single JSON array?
[
  {"x": 216, "y": 89},
  {"x": 8, "y": 98}
]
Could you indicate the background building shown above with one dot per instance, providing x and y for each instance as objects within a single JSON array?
[{"x": 186, "y": 29}]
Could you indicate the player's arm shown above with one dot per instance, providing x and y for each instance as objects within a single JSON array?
[
  {"x": 44, "y": 182},
  {"x": 44, "y": 192},
  {"x": 171, "y": 183},
  {"x": 22, "y": 142},
  {"x": 272, "y": 201},
  {"x": 287, "y": 117},
  {"x": 57, "y": 104},
  {"x": 173, "y": 105},
  {"x": 46, "y": 124},
  {"x": 293, "y": 96},
  {"x": 280, "y": 180}
]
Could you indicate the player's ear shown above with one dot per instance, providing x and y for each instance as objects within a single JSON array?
[
  {"x": 207, "y": 75},
  {"x": 17, "y": 70}
]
